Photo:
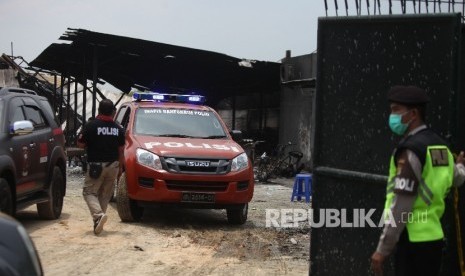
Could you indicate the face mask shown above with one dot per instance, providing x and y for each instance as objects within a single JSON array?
[{"x": 396, "y": 125}]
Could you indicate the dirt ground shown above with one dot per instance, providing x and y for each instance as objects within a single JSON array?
[{"x": 171, "y": 241}]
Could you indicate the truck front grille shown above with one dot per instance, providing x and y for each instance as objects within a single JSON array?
[{"x": 196, "y": 166}]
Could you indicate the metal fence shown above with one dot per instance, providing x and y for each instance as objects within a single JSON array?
[{"x": 385, "y": 7}]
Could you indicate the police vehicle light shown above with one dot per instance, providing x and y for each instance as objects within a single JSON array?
[
  {"x": 153, "y": 96},
  {"x": 194, "y": 99},
  {"x": 158, "y": 97}
]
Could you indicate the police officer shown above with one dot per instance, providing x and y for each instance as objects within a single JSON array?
[
  {"x": 104, "y": 141},
  {"x": 422, "y": 171}
]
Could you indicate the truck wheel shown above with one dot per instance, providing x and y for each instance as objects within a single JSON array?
[
  {"x": 6, "y": 199},
  {"x": 52, "y": 208},
  {"x": 238, "y": 216},
  {"x": 127, "y": 208}
]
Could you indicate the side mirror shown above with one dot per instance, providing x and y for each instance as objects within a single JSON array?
[
  {"x": 18, "y": 255},
  {"x": 21, "y": 128},
  {"x": 236, "y": 135}
]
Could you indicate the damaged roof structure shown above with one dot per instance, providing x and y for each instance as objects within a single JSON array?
[{"x": 128, "y": 62}]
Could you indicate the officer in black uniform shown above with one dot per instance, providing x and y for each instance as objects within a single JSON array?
[
  {"x": 104, "y": 142},
  {"x": 422, "y": 171}
]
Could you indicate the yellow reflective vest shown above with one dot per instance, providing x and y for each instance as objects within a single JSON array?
[{"x": 424, "y": 224}]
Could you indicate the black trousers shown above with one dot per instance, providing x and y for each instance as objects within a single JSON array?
[{"x": 418, "y": 258}]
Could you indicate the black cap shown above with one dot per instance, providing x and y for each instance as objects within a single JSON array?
[{"x": 409, "y": 95}]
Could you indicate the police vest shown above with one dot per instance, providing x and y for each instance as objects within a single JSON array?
[{"x": 436, "y": 179}]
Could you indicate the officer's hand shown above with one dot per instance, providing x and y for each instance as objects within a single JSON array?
[
  {"x": 460, "y": 158},
  {"x": 377, "y": 261}
]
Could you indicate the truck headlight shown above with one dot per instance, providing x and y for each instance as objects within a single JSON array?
[
  {"x": 240, "y": 162},
  {"x": 146, "y": 158}
]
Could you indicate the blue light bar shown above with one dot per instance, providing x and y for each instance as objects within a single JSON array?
[{"x": 159, "y": 97}]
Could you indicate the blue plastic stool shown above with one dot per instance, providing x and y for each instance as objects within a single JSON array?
[{"x": 302, "y": 187}]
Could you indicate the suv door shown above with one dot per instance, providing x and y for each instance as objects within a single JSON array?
[
  {"x": 42, "y": 135},
  {"x": 25, "y": 151}
]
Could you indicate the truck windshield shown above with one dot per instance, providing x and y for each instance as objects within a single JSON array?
[{"x": 178, "y": 123}]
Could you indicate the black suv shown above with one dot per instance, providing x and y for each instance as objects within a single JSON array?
[{"x": 32, "y": 154}]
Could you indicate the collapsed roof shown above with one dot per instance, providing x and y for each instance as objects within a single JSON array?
[{"x": 128, "y": 62}]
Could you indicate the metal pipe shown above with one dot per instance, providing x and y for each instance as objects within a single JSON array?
[
  {"x": 326, "y": 7},
  {"x": 347, "y": 8},
  {"x": 368, "y": 7},
  {"x": 379, "y": 7},
  {"x": 68, "y": 99},
  {"x": 335, "y": 5},
  {"x": 94, "y": 79},
  {"x": 75, "y": 117},
  {"x": 356, "y": 6},
  {"x": 260, "y": 114},
  {"x": 351, "y": 175},
  {"x": 60, "y": 100},
  {"x": 233, "y": 125},
  {"x": 120, "y": 98},
  {"x": 390, "y": 6},
  {"x": 55, "y": 87},
  {"x": 84, "y": 88},
  {"x": 426, "y": 3}
]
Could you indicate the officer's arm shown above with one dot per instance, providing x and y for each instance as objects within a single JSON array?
[
  {"x": 405, "y": 192},
  {"x": 121, "y": 142},
  {"x": 80, "y": 141}
]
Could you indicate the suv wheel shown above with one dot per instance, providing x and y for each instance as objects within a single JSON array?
[
  {"x": 238, "y": 215},
  {"x": 127, "y": 208},
  {"x": 52, "y": 208},
  {"x": 6, "y": 199}
]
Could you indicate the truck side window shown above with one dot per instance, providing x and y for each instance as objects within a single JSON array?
[
  {"x": 34, "y": 115},
  {"x": 125, "y": 121},
  {"x": 123, "y": 116},
  {"x": 16, "y": 112},
  {"x": 119, "y": 117}
]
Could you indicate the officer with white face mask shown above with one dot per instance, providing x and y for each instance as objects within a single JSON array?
[{"x": 422, "y": 171}]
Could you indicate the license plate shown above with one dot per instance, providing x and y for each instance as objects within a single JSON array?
[{"x": 198, "y": 197}]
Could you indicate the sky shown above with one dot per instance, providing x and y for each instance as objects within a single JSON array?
[{"x": 252, "y": 29}]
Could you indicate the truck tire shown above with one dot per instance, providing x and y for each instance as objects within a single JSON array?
[
  {"x": 128, "y": 210},
  {"x": 52, "y": 208},
  {"x": 238, "y": 216},
  {"x": 6, "y": 199}
]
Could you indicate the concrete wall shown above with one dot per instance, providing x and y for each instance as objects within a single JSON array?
[
  {"x": 7, "y": 78},
  {"x": 296, "y": 120},
  {"x": 296, "y": 105}
]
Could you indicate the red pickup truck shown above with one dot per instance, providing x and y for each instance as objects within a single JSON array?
[{"x": 179, "y": 152}]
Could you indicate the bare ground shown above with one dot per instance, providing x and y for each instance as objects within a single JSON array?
[{"x": 171, "y": 241}]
